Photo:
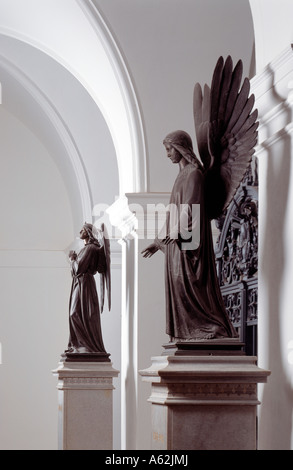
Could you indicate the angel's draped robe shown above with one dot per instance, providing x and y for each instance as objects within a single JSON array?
[
  {"x": 194, "y": 304},
  {"x": 84, "y": 311}
]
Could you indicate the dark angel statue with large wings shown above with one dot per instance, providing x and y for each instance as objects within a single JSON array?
[
  {"x": 226, "y": 131},
  {"x": 84, "y": 310}
]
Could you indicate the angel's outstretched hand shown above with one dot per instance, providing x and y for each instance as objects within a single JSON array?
[
  {"x": 72, "y": 255},
  {"x": 150, "y": 250}
]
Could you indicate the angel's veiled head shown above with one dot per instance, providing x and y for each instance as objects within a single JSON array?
[
  {"x": 179, "y": 138},
  {"x": 90, "y": 233},
  {"x": 182, "y": 143}
]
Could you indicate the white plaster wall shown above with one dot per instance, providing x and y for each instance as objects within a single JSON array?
[
  {"x": 36, "y": 226},
  {"x": 168, "y": 45},
  {"x": 77, "y": 109},
  {"x": 33, "y": 332},
  {"x": 35, "y": 213}
]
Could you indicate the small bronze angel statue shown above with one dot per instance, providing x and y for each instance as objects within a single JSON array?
[
  {"x": 226, "y": 131},
  {"x": 84, "y": 310}
]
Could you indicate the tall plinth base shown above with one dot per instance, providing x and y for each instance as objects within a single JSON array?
[
  {"x": 85, "y": 405},
  {"x": 204, "y": 402}
]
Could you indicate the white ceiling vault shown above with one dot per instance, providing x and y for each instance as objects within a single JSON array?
[{"x": 61, "y": 76}]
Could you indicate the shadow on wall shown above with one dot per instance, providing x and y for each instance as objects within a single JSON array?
[{"x": 277, "y": 403}]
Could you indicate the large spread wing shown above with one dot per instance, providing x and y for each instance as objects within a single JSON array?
[
  {"x": 226, "y": 131},
  {"x": 105, "y": 277}
]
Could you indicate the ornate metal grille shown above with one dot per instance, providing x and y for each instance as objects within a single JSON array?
[{"x": 237, "y": 259}]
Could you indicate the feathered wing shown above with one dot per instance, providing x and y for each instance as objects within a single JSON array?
[
  {"x": 201, "y": 113},
  {"x": 226, "y": 132},
  {"x": 105, "y": 277}
]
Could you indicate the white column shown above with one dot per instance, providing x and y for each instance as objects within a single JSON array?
[
  {"x": 136, "y": 217},
  {"x": 125, "y": 223},
  {"x": 273, "y": 91},
  {"x": 129, "y": 343}
]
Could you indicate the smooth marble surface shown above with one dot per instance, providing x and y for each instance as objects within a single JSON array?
[
  {"x": 85, "y": 405},
  {"x": 204, "y": 402}
]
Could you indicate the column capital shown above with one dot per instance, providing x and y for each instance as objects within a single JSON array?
[
  {"x": 139, "y": 213},
  {"x": 85, "y": 375},
  {"x": 273, "y": 90}
]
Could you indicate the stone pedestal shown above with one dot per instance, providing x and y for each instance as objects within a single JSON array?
[
  {"x": 204, "y": 398},
  {"x": 85, "y": 404}
]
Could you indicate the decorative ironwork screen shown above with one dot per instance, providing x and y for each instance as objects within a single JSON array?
[{"x": 236, "y": 253}]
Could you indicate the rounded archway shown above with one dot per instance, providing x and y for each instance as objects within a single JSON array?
[{"x": 82, "y": 45}]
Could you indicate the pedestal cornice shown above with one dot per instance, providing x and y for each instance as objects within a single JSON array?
[
  {"x": 85, "y": 375},
  {"x": 204, "y": 402},
  {"x": 199, "y": 369}
]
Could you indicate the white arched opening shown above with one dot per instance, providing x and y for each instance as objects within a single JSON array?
[
  {"x": 83, "y": 45},
  {"x": 24, "y": 99}
]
